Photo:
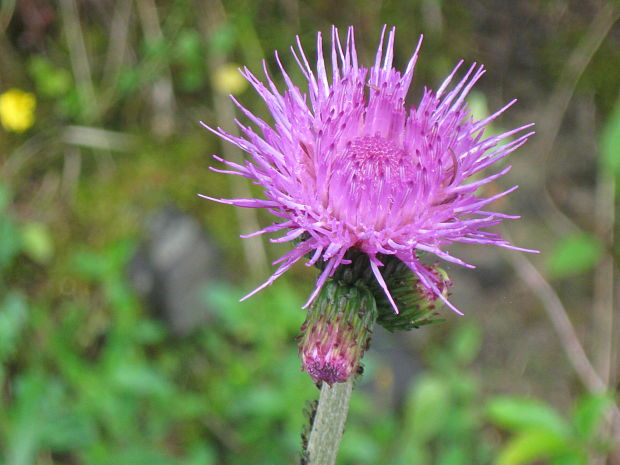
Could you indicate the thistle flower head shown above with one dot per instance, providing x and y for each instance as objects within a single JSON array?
[{"x": 347, "y": 164}]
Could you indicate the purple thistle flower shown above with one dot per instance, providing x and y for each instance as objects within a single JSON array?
[{"x": 347, "y": 165}]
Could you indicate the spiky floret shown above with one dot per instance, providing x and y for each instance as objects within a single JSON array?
[{"x": 348, "y": 165}]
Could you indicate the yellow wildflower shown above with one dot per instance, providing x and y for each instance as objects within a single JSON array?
[
  {"x": 17, "y": 110},
  {"x": 228, "y": 80}
]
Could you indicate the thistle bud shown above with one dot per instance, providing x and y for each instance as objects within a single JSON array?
[
  {"x": 336, "y": 332},
  {"x": 418, "y": 304}
]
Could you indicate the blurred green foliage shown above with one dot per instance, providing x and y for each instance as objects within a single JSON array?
[
  {"x": 130, "y": 393},
  {"x": 539, "y": 433},
  {"x": 443, "y": 421},
  {"x": 610, "y": 142},
  {"x": 88, "y": 376},
  {"x": 116, "y": 388},
  {"x": 575, "y": 254}
]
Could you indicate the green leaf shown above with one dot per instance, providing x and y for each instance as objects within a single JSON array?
[
  {"x": 128, "y": 80},
  {"x": 189, "y": 48},
  {"x": 5, "y": 197},
  {"x": 106, "y": 264},
  {"x": 466, "y": 343},
  {"x": 10, "y": 244},
  {"x": 427, "y": 407},
  {"x": 610, "y": 142},
  {"x": 156, "y": 48},
  {"x": 91, "y": 265},
  {"x": 356, "y": 448},
  {"x": 49, "y": 80},
  {"x": 140, "y": 379},
  {"x": 63, "y": 427},
  {"x": 140, "y": 454},
  {"x": 456, "y": 453},
  {"x": 223, "y": 38},
  {"x": 574, "y": 254},
  {"x": 192, "y": 80},
  {"x": 522, "y": 414},
  {"x": 24, "y": 437},
  {"x": 411, "y": 453},
  {"x": 530, "y": 446},
  {"x": 573, "y": 457},
  {"x": 149, "y": 332},
  {"x": 262, "y": 401},
  {"x": 70, "y": 105},
  {"x": 201, "y": 454},
  {"x": 37, "y": 242},
  {"x": 13, "y": 317},
  {"x": 44, "y": 417},
  {"x": 589, "y": 412}
]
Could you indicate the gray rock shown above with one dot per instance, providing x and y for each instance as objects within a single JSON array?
[{"x": 173, "y": 264}]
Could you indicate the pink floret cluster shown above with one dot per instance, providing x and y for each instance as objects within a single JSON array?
[{"x": 331, "y": 352}]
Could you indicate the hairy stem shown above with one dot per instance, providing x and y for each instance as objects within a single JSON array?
[{"x": 328, "y": 424}]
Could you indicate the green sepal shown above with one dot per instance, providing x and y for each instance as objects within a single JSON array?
[{"x": 417, "y": 306}]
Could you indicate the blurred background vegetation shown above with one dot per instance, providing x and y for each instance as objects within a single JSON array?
[{"x": 121, "y": 337}]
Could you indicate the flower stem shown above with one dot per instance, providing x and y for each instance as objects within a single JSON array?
[{"x": 328, "y": 424}]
